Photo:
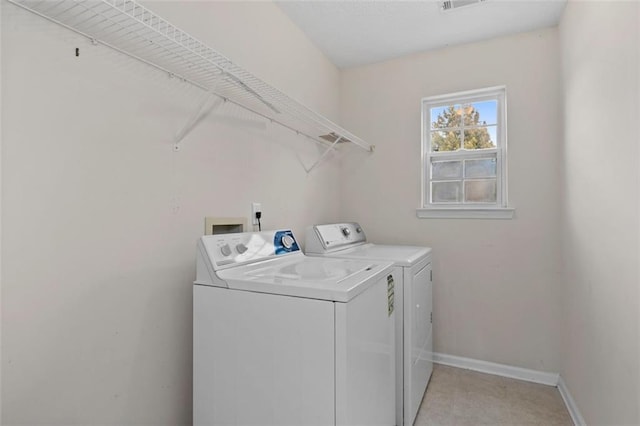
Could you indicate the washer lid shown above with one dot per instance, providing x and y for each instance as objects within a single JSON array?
[
  {"x": 399, "y": 255},
  {"x": 338, "y": 280}
]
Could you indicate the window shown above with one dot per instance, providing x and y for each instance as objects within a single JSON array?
[{"x": 464, "y": 155}]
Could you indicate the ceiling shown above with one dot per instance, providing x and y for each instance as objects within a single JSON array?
[{"x": 353, "y": 33}]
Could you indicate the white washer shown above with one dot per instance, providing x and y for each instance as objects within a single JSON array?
[
  {"x": 414, "y": 330},
  {"x": 285, "y": 339}
]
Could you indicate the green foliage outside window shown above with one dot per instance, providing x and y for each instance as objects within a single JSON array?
[{"x": 450, "y": 120}]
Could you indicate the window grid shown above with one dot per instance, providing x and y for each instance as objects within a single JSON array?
[
  {"x": 464, "y": 178},
  {"x": 463, "y": 154}
]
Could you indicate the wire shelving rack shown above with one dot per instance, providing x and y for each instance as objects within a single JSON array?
[{"x": 132, "y": 29}]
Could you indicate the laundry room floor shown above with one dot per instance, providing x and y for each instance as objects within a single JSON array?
[{"x": 463, "y": 397}]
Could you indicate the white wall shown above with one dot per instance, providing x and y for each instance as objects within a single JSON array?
[
  {"x": 496, "y": 295},
  {"x": 100, "y": 216},
  {"x": 600, "y": 222}
]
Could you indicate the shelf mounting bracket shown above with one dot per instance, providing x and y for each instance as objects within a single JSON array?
[
  {"x": 211, "y": 102},
  {"x": 324, "y": 154}
]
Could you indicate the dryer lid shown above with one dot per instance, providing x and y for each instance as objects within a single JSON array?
[{"x": 399, "y": 255}]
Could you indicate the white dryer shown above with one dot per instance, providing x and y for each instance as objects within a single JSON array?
[
  {"x": 284, "y": 339},
  {"x": 414, "y": 283}
]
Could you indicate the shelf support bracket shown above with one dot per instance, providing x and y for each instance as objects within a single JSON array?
[
  {"x": 211, "y": 102},
  {"x": 324, "y": 154}
]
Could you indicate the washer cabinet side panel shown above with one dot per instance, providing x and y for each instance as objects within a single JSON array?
[{"x": 262, "y": 359}]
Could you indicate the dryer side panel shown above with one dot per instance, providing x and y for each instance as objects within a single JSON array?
[{"x": 418, "y": 355}]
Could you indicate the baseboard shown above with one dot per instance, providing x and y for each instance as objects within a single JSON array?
[
  {"x": 577, "y": 418},
  {"x": 525, "y": 374}
]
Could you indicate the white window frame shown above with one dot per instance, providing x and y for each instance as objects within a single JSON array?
[{"x": 497, "y": 210}]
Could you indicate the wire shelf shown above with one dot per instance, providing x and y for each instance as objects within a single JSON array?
[{"x": 134, "y": 30}]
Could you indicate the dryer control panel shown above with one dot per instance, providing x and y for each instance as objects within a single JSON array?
[
  {"x": 323, "y": 238},
  {"x": 224, "y": 250}
]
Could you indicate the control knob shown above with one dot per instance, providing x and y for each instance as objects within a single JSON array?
[
  {"x": 346, "y": 232},
  {"x": 241, "y": 248},
  {"x": 225, "y": 250},
  {"x": 287, "y": 241}
]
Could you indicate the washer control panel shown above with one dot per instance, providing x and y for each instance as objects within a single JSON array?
[
  {"x": 339, "y": 234},
  {"x": 247, "y": 247}
]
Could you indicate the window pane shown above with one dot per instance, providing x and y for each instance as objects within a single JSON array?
[
  {"x": 480, "y": 191},
  {"x": 483, "y": 168},
  {"x": 445, "y": 117},
  {"x": 479, "y": 138},
  {"x": 493, "y": 133},
  {"x": 445, "y": 141},
  {"x": 446, "y": 192},
  {"x": 481, "y": 113},
  {"x": 441, "y": 170}
]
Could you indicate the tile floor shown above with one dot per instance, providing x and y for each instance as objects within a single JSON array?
[{"x": 457, "y": 397}]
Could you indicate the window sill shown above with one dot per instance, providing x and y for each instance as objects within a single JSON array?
[{"x": 466, "y": 213}]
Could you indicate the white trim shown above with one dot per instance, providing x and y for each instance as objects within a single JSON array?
[
  {"x": 466, "y": 213},
  {"x": 464, "y": 154},
  {"x": 475, "y": 95},
  {"x": 577, "y": 418},
  {"x": 542, "y": 377}
]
